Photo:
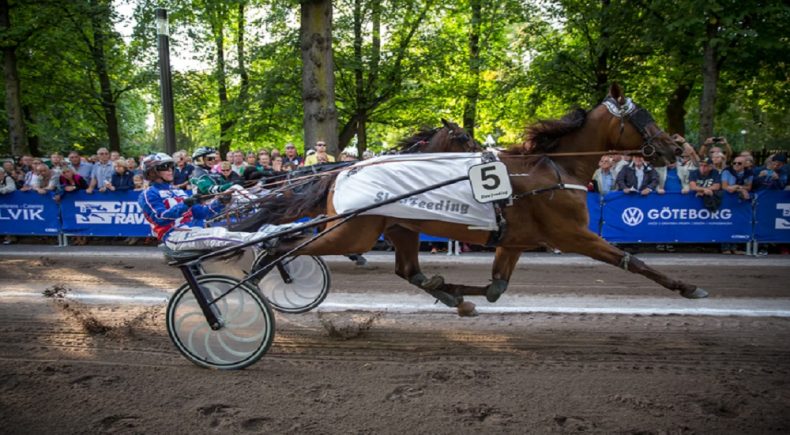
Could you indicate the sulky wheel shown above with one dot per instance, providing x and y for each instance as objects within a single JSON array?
[
  {"x": 296, "y": 285},
  {"x": 246, "y": 334}
]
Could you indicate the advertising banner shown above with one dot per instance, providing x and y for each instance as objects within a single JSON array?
[
  {"x": 595, "y": 210},
  {"x": 674, "y": 218},
  {"x": 772, "y": 217},
  {"x": 29, "y": 214},
  {"x": 104, "y": 214}
]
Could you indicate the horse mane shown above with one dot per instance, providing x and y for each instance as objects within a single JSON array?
[
  {"x": 543, "y": 136},
  {"x": 424, "y": 134},
  {"x": 289, "y": 205}
]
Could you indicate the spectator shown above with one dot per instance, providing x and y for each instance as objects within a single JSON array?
[
  {"x": 774, "y": 176},
  {"x": 229, "y": 175},
  {"x": 131, "y": 166},
  {"x": 274, "y": 153},
  {"x": 101, "y": 175},
  {"x": 291, "y": 155},
  {"x": 7, "y": 182},
  {"x": 26, "y": 164},
  {"x": 57, "y": 163},
  {"x": 115, "y": 155},
  {"x": 603, "y": 179},
  {"x": 277, "y": 164},
  {"x": 83, "y": 168},
  {"x": 368, "y": 154},
  {"x": 31, "y": 179},
  {"x": 14, "y": 172},
  {"x": 122, "y": 180},
  {"x": 182, "y": 171},
  {"x": 139, "y": 183},
  {"x": 320, "y": 150},
  {"x": 238, "y": 163},
  {"x": 346, "y": 156},
  {"x": 251, "y": 159},
  {"x": 715, "y": 144},
  {"x": 737, "y": 179},
  {"x": 619, "y": 161},
  {"x": 719, "y": 161},
  {"x": 47, "y": 182},
  {"x": 669, "y": 179},
  {"x": 637, "y": 177},
  {"x": 705, "y": 182},
  {"x": 264, "y": 162},
  {"x": 69, "y": 181}
]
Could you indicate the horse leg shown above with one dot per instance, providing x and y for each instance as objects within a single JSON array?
[
  {"x": 504, "y": 263},
  {"x": 589, "y": 244},
  {"x": 407, "y": 266}
]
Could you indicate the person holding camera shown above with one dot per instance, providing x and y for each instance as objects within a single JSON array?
[{"x": 774, "y": 175}]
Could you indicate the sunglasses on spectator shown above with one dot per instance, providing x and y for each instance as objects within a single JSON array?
[{"x": 164, "y": 167}]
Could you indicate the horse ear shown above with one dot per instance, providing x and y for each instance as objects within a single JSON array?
[
  {"x": 616, "y": 92},
  {"x": 445, "y": 123}
]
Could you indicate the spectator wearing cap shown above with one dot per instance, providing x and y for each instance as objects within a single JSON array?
[
  {"x": 320, "y": 154},
  {"x": 637, "y": 177},
  {"x": 705, "y": 181},
  {"x": 737, "y": 179},
  {"x": 291, "y": 156}
]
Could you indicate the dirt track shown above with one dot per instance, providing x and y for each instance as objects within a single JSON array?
[{"x": 112, "y": 368}]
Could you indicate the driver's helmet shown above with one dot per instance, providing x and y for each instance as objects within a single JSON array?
[
  {"x": 151, "y": 161},
  {"x": 197, "y": 156}
]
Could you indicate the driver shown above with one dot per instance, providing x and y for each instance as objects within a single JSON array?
[
  {"x": 177, "y": 219},
  {"x": 205, "y": 181}
]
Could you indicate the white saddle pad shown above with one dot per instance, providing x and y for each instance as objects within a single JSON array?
[{"x": 378, "y": 179}]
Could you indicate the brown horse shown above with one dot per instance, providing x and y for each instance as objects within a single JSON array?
[
  {"x": 544, "y": 211},
  {"x": 277, "y": 208}
]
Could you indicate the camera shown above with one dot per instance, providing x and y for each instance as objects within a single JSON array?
[{"x": 718, "y": 139}]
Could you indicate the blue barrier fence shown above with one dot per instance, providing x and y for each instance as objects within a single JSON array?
[{"x": 669, "y": 218}]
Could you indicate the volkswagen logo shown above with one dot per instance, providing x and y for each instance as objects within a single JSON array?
[{"x": 632, "y": 216}]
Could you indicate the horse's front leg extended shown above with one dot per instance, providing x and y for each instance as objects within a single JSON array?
[{"x": 591, "y": 245}]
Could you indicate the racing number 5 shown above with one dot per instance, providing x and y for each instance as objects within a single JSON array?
[{"x": 486, "y": 176}]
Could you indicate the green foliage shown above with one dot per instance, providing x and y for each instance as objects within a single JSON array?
[{"x": 538, "y": 60}]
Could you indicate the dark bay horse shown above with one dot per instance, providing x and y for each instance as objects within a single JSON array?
[
  {"x": 278, "y": 208},
  {"x": 543, "y": 212}
]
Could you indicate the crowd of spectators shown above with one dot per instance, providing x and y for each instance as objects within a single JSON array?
[
  {"x": 108, "y": 171},
  {"x": 709, "y": 172}
]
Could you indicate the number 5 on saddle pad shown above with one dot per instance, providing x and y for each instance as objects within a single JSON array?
[{"x": 490, "y": 182}]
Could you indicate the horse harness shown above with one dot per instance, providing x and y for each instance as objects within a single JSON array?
[{"x": 629, "y": 111}]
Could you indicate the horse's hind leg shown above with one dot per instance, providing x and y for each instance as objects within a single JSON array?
[
  {"x": 407, "y": 266},
  {"x": 589, "y": 244}
]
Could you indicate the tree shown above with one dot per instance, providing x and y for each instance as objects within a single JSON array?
[
  {"x": 13, "y": 99},
  {"x": 318, "y": 81}
]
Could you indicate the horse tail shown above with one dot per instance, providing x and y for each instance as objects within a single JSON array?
[{"x": 288, "y": 205}]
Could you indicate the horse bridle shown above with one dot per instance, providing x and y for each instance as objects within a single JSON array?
[{"x": 639, "y": 118}]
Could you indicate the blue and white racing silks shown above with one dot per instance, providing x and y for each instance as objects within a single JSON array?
[{"x": 164, "y": 208}]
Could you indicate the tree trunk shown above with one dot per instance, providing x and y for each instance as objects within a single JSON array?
[
  {"x": 245, "y": 78},
  {"x": 360, "y": 91},
  {"x": 710, "y": 77},
  {"x": 602, "y": 60},
  {"x": 110, "y": 110},
  {"x": 17, "y": 131},
  {"x": 225, "y": 119},
  {"x": 32, "y": 139},
  {"x": 318, "y": 81},
  {"x": 473, "y": 90},
  {"x": 676, "y": 111}
]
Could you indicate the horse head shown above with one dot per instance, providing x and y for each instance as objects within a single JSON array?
[
  {"x": 446, "y": 139},
  {"x": 633, "y": 129}
]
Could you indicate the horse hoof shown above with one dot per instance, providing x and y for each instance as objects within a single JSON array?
[
  {"x": 433, "y": 283},
  {"x": 495, "y": 290},
  {"x": 467, "y": 309},
  {"x": 697, "y": 293}
]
